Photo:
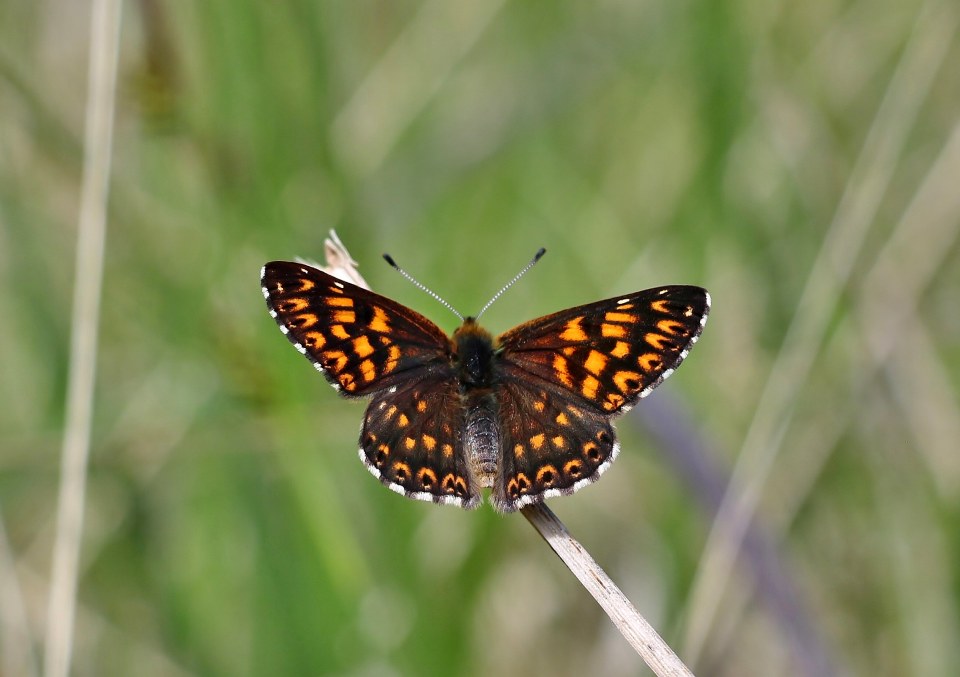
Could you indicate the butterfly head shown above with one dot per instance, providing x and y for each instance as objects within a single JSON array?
[{"x": 474, "y": 354}]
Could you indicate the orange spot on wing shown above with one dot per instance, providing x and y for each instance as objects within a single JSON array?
[
  {"x": 429, "y": 442},
  {"x": 523, "y": 483},
  {"x": 402, "y": 421},
  {"x": 380, "y": 322},
  {"x": 562, "y": 370},
  {"x": 449, "y": 484},
  {"x": 650, "y": 362},
  {"x": 401, "y": 471},
  {"x": 518, "y": 450},
  {"x": 345, "y": 316},
  {"x": 537, "y": 440},
  {"x": 620, "y": 317},
  {"x": 304, "y": 320},
  {"x": 539, "y": 405},
  {"x": 313, "y": 339},
  {"x": 589, "y": 387},
  {"x": 447, "y": 450},
  {"x": 292, "y": 305},
  {"x": 595, "y": 362},
  {"x": 368, "y": 370},
  {"x": 362, "y": 347},
  {"x": 547, "y": 475},
  {"x": 421, "y": 406},
  {"x": 670, "y": 327},
  {"x": 559, "y": 441},
  {"x": 613, "y": 330},
  {"x": 393, "y": 358},
  {"x": 656, "y": 340},
  {"x": 621, "y": 349},
  {"x": 305, "y": 284},
  {"x": 335, "y": 360},
  {"x": 591, "y": 451},
  {"x": 409, "y": 443},
  {"x": 613, "y": 401},
  {"x": 627, "y": 381},
  {"x": 339, "y": 301},
  {"x": 562, "y": 419},
  {"x": 661, "y": 306},
  {"x": 339, "y": 332},
  {"x": 573, "y": 331},
  {"x": 428, "y": 478}
]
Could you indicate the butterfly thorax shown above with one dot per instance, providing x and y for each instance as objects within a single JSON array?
[
  {"x": 474, "y": 361},
  {"x": 474, "y": 356}
]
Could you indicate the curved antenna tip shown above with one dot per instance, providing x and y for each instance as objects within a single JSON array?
[
  {"x": 536, "y": 257},
  {"x": 420, "y": 285}
]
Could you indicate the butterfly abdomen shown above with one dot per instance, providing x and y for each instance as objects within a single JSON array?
[{"x": 482, "y": 436}]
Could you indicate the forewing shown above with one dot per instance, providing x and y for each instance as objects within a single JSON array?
[
  {"x": 609, "y": 354},
  {"x": 551, "y": 443},
  {"x": 412, "y": 440},
  {"x": 361, "y": 341}
]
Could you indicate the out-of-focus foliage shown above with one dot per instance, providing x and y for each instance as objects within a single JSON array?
[{"x": 798, "y": 159}]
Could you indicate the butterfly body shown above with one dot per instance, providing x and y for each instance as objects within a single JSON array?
[
  {"x": 526, "y": 414},
  {"x": 474, "y": 357}
]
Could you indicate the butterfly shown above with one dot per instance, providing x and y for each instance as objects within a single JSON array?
[{"x": 526, "y": 414}]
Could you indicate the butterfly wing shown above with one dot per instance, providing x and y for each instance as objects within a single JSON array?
[
  {"x": 366, "y": 344},
  {"x": 362, "y": 342},
  {"x": 565, "y": 375},
  {"x": 551, "y": 444},
  {"x": 412, "y": 440}
]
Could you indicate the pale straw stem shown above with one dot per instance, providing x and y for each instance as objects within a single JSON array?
[{"x": 91, "y": 233}]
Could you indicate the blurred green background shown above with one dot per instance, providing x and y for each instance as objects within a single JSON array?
[{"x": 798, "y": 159}]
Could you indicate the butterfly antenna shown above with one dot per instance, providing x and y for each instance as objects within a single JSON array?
[
  {"x": 389, "y": 259},
  {"x": 536, "y": 257}
]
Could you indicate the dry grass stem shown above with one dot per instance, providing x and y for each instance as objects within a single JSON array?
[
  {"x": 655, "y": 652},
  {"x": 61, "y": 609}
]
